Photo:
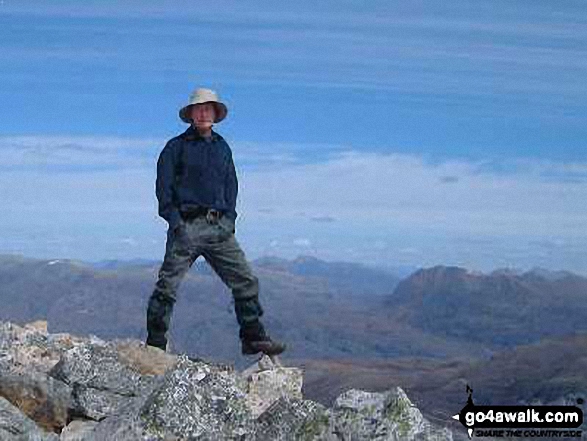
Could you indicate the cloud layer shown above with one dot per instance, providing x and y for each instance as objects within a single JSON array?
[{"x": 377, "y": 208}]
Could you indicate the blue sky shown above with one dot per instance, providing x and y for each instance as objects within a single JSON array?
[{"x": 390, "y": 133}]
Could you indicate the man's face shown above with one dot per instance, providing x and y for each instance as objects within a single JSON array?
[{"x": 203, "y": 115}]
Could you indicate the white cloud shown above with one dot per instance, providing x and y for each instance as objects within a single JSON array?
[
  {"x": 302, "y": 242},
  {"x": 389, "y": 189},
  {"x": 403, "y": 190},
  {"x": 53, "y": 151},
  {"x": 378, "y": 205},
  {"x": 491, "y": 215}
]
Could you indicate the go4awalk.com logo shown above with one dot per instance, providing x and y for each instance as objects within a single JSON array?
[{"x": 523, "y": 421}]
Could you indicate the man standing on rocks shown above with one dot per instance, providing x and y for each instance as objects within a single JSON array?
[{"x": 196, "y": 188}]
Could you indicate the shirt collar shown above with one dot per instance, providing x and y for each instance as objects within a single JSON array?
[{"x": 192, "y": 134}]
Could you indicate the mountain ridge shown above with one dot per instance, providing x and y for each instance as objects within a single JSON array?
[{"x": 438, "y": 312}]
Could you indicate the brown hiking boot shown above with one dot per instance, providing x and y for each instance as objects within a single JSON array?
[
  {"x": 160, "y": 342},
  {"x": 255, "y": 340},
  {"x": 266, "y": 346}
]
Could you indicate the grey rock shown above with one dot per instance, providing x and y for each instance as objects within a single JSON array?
[
  {"x": 118, "y": 428},
  {"x": 42, "y": 398},
  {"x": 194, "y": 400},
  {"x": 16, "y": 426},
  {"x": 77, "y": 430},
  {"x": 39, "y": 325},
  {"x": 126, "y": 423},
  {"x": 295, "y": 419},
  {"x": 382, "y": 416},
  {"x": 96, "y": 404},
  {"x": 20, "y": 345},
  {"x": 11, "y": 334},
  {"x": 99, "y": 367},
  {"x": 146, "y": 360},
  {"x": 265, "y": 386},
  {"x": 197, "y": 402},
  {"x": 31, "y": 347},
  {"x": 101, "y": 382},
  {"x": 431, "y": 433},
  {"x": 136, "y": 393}
]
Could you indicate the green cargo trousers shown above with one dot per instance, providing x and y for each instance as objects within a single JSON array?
[{"x": 214, "y": 241}]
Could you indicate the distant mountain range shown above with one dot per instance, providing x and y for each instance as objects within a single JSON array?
[
  {"x": 514, "y": 336},
  {"x": 498, "y": 309},
  {"x": 323, "y": 309},
  {"x": 352, "y": 278},
  {"x": 304, "y": 305}
]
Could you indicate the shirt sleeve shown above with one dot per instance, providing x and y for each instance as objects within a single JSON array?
[
  {"x": 231, "y": 187},
  {"x": 165, "y": 187}
]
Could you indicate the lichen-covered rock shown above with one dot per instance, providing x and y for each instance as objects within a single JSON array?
[
  {"x": 291, "y": 419},
  {"x": 432, "y": 433},
  {"x": 42, "y": 398},
  {"x": 27, "y": 346},
  {"x": 77, "y": 430},
  {"x": 264, "y": 387},
  {"x": 194, "y": 400},
  {"x": 197, "y": 402},
  {"x": 101, "y": 382},
  {"x": 119, "y": 428},
  {"x": 137, "y": 393},
  {"x": 96, "y": 404},
  {"x": 97, "y": 366},
  {"x": 38, "y": 325},
  {"x": 146, "y": 360},
  {"x": 31, "y": 347},
  {"x": 382, "y": 416},
  {"x": 16, "y": 426}
]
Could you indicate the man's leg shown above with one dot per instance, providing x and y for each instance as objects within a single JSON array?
[
  {"x": 177, "y": 261},
  {"x": 228, "y": 261}
]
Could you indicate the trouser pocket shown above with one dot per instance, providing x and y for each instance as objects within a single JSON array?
[{"x": 227, "y": 224}]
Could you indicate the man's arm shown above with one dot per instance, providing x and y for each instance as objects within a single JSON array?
[
  {"x": 231, "y": 187},
  {"x": 165, "y": 187}
]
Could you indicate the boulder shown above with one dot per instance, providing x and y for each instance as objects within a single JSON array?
[
  {"x": 114, "y": 428},
  {"x": 197, "y": 401},
  {"x": 101, "y": 381},
  {"x": 295, "y": 419},
  {"x": 16, "y": 426},
  {"x": 97, "y": 366},
  {"x": 96, "y": 404},
  {"x": 38, "y": 325},
  {"x": 124, "y": 391},
  {"x": 77, "y": 430},
  {"x": 265, "y": 386},
  {"x": 383, "y": 416},
  {"x": 42, "y": 398},
  {"x": 146, "y": 360},
  {"x": 31, "y": 347}
]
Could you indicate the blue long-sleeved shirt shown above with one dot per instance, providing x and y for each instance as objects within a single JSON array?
[{"x": 193, "y": 170}]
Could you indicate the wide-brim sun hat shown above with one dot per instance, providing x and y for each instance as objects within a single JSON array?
[{"x": 202, "y": 96}]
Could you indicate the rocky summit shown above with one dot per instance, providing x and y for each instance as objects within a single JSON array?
[{"x": 59, "y": 387}]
